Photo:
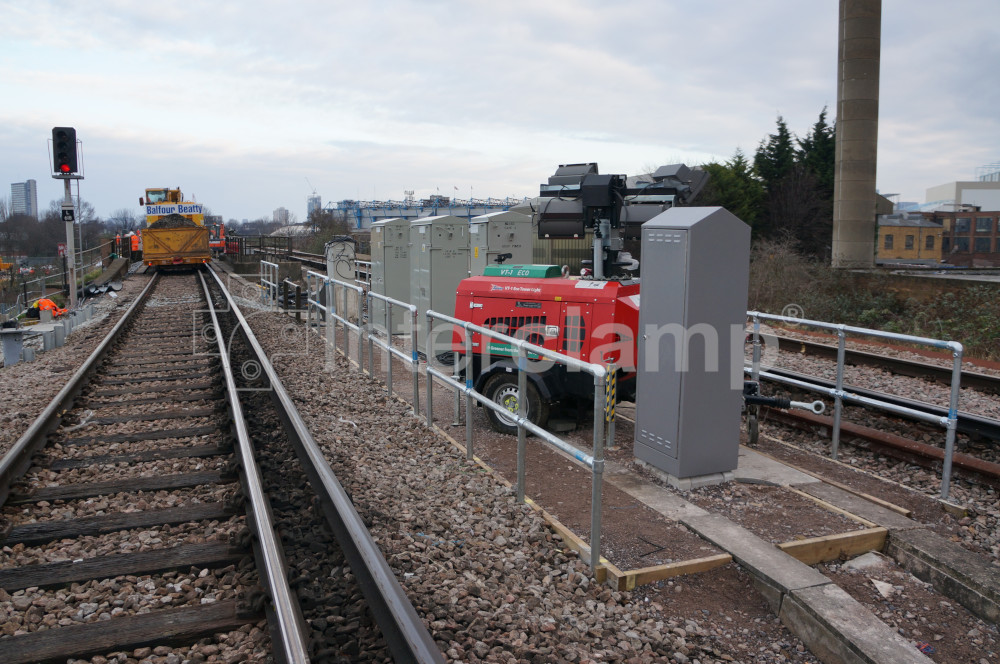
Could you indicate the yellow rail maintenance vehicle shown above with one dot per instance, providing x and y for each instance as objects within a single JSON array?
[{"x": 175, "y": 233}]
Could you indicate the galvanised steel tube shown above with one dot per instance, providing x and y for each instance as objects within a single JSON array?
[
  {"x": 597, "y": 478},
  {"x": 293, "y": 644},
  {"x": 854, "y": 398},
  {"x": 468, "y": 396},
  {"x": 864, "y": 331},
  {"x": 522, "y": 415},
  {"x": 838, "y": 401},
  {"x": 949, "y": 445}
]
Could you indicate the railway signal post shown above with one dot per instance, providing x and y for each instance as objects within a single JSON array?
[{"x": 65, "y": 167}]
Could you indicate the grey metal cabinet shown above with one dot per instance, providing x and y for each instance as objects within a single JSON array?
[{"x": 695, "y": 274}]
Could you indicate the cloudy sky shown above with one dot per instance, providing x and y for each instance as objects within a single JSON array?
[{"x": 239, "y": 103}]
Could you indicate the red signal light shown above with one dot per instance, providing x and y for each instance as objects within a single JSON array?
[{"x": 64, "y": 168}]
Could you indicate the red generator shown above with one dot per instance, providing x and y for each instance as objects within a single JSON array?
[{"x": 594, "y": 321}]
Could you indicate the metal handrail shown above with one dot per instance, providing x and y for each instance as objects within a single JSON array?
[
  {"x": 413, "y": 359},
  {"x": 593, "y": 461},
  {"x": 293, "y": 644},
  {"x": 404, "y": 631},
  {"x": 330, "y": 309},
  {"x": 949, "y": 423},
  {"x": 269, "y": 278}
]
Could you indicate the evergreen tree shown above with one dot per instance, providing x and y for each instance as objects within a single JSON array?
[
  {"x": 734, "y": 186},
  {"x": 817, "y": 152},
  {"x": 775, "y": 157}
]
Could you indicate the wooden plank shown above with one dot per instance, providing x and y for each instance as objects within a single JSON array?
[
  {"x": 156, "y": 415},
  {"x": 176, "y": 452},
  {"x": 833, "y": 508},
  {"x": 166, "y": 627},
  {"x": 644, "y": 575},
  {"x": 144, "y": 358},
  {"x": 156, "y": 379},
  {"x": 41, "y": 532},
  {"x": 124, "y": 485},
  {"x": 843, "y": 487},
  {"x": 94, "y": 405},
  {"x": 156, "y": 388},
  {"x": 152, "y": 369},
  {"x": 158, "y": 434},
  {"x": 52, "y": 575},
  {"x": 833, "y": 547}
]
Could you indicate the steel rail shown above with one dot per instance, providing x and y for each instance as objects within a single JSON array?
[
  {"x": 968, "y": 423},
  {"x": 903, "y": 367},
  {"x": 18, "y": 457},
  {"x": 403, "y": 630},
  {"x": 293, "y": 644}
]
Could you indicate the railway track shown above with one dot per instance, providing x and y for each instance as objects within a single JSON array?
[
  {"x": 899, "y": 366},
  {"x": 136, "y": 518}
]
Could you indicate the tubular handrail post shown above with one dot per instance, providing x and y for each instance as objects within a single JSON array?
[
  {"x": 458, "y": 392},
  {"x": 347, "y": 331},
  {"x": 369, "y": 331},
  {"x": 331, "y": 322},
  {"x": 430, "y": 377},
  {"x": 755, "y": 362},
  {"x": 361, "y": 345},
  {"x": 522, "y": 413},
  {"x": 597, "y": 475},
  {"x": 838, "y": 400},
  {"x": 468, "y": 395},
  {"x": 387, "y": 310},
  {"x": 309, "y": 305},
  {"x": 949, "y": 445},
  {"x": 415, "y": 356}
]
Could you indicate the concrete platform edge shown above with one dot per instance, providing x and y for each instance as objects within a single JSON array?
[{"x": 953, "y": 571}]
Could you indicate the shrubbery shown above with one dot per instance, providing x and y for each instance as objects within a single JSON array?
[{"x": 780, "y": 277}]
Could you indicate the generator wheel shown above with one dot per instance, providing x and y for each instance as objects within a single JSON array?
[{"x": 502, "y": 389}]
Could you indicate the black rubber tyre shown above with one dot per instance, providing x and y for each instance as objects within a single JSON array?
[{"x": 501, "y": 388}]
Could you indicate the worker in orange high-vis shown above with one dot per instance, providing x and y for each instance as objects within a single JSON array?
[
  {"x": 45, "y": 304},
  {"x": 118, "y": 244},
  {"x": 135, "y": 246}
]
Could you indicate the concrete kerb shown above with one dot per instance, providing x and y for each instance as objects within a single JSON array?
[
  {"x": 839, "y": 629},
  {"x": 952, "y": 570}
]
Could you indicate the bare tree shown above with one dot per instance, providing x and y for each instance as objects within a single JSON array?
[
  {"x": 4, "y": 209},
  {"x": 124, "y": 220}
]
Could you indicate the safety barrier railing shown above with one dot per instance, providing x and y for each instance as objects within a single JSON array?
[
  {"x": 363, "y": 273},
  {"x": 386, "y": 345},
  {"x": 335, "y": 312},
  {"x": 594, "y": 461},
  {"x": 949, "y": 423},
  {"x": 269, "y": 283}
]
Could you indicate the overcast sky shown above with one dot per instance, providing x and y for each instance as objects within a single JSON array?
[{"x": 238, "y": 103}]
